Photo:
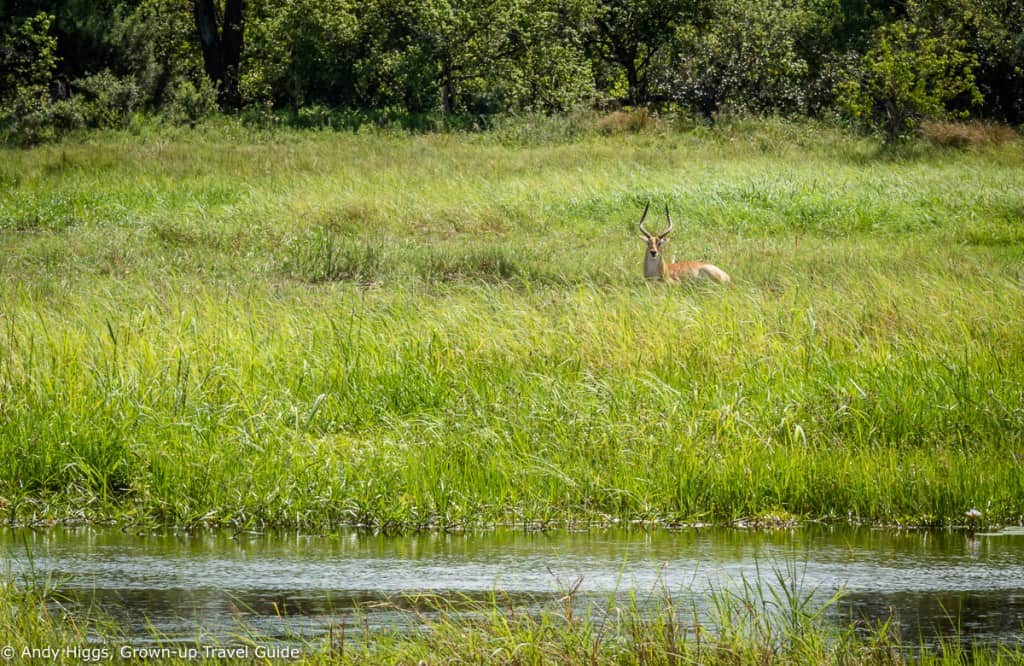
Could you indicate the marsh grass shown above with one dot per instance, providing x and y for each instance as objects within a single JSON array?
[
  {"x": 34, "y": 614},
  {"x": 323, "y": 256},
  {"x": 744, "y": 629},
  {"x": 407, "y": 331},
  {"x": 774, "y": 619}
]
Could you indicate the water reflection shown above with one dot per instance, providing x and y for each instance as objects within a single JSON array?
[
  {"x": 935, "y": 583},
  {"x": 929, "y": 616}
]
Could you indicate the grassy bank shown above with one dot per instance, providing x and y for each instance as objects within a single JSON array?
[{"x": 305, "y": 328}]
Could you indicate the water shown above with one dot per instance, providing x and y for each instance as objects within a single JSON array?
[{"x": 938, "y": 584}]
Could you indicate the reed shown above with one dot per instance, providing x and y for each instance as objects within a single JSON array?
[
  {"x": 763, "y": 621},
  {"x": 760, "y": 623}
]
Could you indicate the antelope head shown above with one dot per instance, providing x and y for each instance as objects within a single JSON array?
[{"x": 653, "y": 258}]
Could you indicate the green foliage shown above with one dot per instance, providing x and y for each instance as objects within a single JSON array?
[
  {"x": 627, "y": 38},
  {"x": 28, "y": 60},
  {"x": 109, "y": 100},
  {"x": 188, "y": 103},
  {"x": 28, "y": 55},
  {"x": 551, "y": 72},
  {"x": 156, "y": 47},
  {"x": 31, "y": 117},
  {"x": 745, "y": 59},
  {"x": 156, "y": 60},
  {"x": 994, "y": 31},
  {"x": 908, "y": 74},
  {"x": 300, "y": 52},
  {"x": 465, "y": 64},
  {"x": 460, "y": 56}
]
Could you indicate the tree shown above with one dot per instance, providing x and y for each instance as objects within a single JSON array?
[
  {"x": 993, "y": 31},
  {"x": 222, "y": 46},
  {"x": 552, "y": 72},
  {"x": 745, "y": 58},
  {"x": 155, "y": 43},
  {"x": 449, "y": 54},
  {"x": 28, "y": 55},
  {"x": 301, "y": 52},
  {"x": 907, "y": 75},
  {"x": 630, "y": 35}
]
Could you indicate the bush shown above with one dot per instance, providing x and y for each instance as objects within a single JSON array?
[
  {"x": 28, "y": 55},
  {"x": 109, "y": 100},
  {"x": 906, "y": 76},
  {"x": 27, "y": 62},
  {"x": 31, "y": 117},
  {"x": 314, "y": 117},
  {"x": 186, "y": 102},
  {"x": 745, "y": 60},
  {"x": 153, "y": 42}
]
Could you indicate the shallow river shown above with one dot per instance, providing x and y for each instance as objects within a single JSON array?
[{"x": 211, "y": 583}]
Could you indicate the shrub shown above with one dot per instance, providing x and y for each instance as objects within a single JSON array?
[
  {"x": 109, "y": 100},
  {"x": 31, "y": 117},
  {"x": 153, "y": 42},
  {"x": 28, "y": 59},
  {"x": 908, "y": 75},
  {"x": 316, "y": 116},
  {"x": 186, "y": 102},
  {"x": 28, "y": 55}
]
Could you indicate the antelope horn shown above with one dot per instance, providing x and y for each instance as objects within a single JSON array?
[
  {"x": 642, "y": 218},
  {"x": 669, "y": 217}
]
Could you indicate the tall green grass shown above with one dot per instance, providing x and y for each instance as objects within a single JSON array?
[{"x": 312, "y": 328}]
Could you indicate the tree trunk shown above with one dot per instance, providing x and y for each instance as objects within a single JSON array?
[
  {"x": 636, "y": 96},
  {"x": 222, "y": 47},
  {"x": 447, "y": 89},
  {"x": 231, "y": 48},
  {"x": 209, "y": 38}
]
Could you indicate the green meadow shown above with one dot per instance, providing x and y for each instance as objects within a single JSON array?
[{"x": 304, "y": 329}]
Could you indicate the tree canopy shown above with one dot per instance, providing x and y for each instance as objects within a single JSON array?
[{"x": 886, "y": 66}]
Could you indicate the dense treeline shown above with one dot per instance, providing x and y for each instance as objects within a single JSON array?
[{"x": 879, "y": 65}]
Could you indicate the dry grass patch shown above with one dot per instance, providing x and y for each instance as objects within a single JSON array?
[
  {"x": 627, "y": 120},
  {"x": 969, "y": 134}
]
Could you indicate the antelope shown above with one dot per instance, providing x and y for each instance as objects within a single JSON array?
[{"x": 656, "y": 267}]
